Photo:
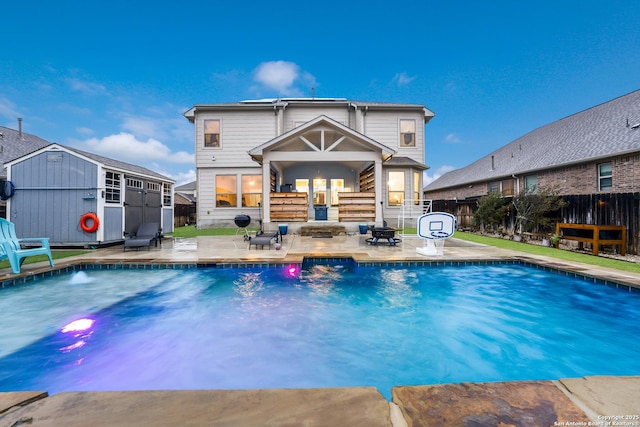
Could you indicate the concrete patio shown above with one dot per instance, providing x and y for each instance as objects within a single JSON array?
[{"x": 573, "y": 401}]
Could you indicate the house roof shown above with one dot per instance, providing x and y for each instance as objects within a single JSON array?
[
  {"x": 606, "y": 130},
  {"x": 404, "y": 162},
  {"x": 184, "y": 198},
  {"x": 15, "y": 145},
  {"x": 189, "y": 186},
  {"x": 273, "y": 103}
]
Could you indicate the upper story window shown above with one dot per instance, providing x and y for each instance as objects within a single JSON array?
[
  {"x": 407, "y": 133},
  {"x": 531, "y": 184},
  {"x": 112, "y": 187},
  {"x": 212, "y": 133},
  {"x": 605, "y": 177},
  {"x": 494, "y": 187}
]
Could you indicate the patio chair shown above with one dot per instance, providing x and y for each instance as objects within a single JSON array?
[
  {"x": 16, "y": 250},
  {"x": 147, "y": 233}
]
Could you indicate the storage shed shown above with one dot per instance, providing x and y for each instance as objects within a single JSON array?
[{"x": 58, "y": 190}]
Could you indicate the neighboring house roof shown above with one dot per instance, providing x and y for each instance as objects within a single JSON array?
[
  {"x": 271, "y": 103},
  {"x": 184, "y": 198},
  {"x": 606, "y": 130},
  {"x": 189, "y": 186}
]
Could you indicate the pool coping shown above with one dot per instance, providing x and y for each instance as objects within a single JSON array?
[{"x": 619, "y": 282}]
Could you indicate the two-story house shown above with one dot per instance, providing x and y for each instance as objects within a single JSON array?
[{"x": 300, "y": 160}]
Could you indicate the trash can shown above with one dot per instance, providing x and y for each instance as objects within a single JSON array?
[
  {"x": 363, "y": 228},
  {"x": 321, "y": 212},
  {"x": 283, "y": 228}
]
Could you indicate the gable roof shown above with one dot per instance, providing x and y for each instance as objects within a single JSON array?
[
  {"x": 606, "y": 130},
  {"x": 257, "y": 152},
  {"x": 14, "y": 144}
]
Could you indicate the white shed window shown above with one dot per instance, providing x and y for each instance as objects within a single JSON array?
[
  {"x": 112, "y": 187},
  {"x": 166, "y": 194},
  {"x": 135, "y": 183},
  {"x": 153, "y": 186}
]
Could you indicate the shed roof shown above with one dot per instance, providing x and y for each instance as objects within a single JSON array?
[
  {"x": 606, "y": 130},
  {"x": 16, "y": 145}
]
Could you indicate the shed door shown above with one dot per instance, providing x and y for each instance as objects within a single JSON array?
[{"x": 143, "y": 203}]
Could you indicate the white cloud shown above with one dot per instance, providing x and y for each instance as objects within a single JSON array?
[
  {"x": 85, "y": 87},
  {"x": 402, "y": 79},
  {"x": 84, "y": 131},
  {"x": 8, "y": 109},
  {"x": 185, "y": 177},
  {"x": 127, "y": 147},
  {"x": 282, "y": 77},
  {"x": 428, "y": 179},
  {"x": 453, "y": 138}
]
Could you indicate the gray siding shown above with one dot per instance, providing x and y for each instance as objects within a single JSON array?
[
  {"x": 112, "y": 224},
  {"x": 167, "y": 221},
  {"x": 53, "y": 190}
]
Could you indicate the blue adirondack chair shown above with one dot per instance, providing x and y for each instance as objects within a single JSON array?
[{"x": 11, "y": 246}]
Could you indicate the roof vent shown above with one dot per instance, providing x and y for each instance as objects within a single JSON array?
[{"x": 20, "y": 127}]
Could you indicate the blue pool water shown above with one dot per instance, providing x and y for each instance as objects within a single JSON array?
[{"x": 324, "y": 326}]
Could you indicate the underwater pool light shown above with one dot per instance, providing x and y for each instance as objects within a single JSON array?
[
  {"x": 292, "y": 271},
  {"x": 78, "y": 325}
]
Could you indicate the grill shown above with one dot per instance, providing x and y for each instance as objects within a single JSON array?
[{"x": 242, "y": 222}]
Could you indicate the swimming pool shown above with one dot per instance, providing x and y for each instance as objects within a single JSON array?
[{"x": 322, "y": 326}]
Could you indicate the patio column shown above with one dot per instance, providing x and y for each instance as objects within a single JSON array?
[
  {"x": 378, "y": 179},
  {"x": 266, "y": 191}
]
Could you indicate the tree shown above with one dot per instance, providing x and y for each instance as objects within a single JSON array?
[
  {"x": 533, "y": 208},
  {"x": 491, "y": 212}
]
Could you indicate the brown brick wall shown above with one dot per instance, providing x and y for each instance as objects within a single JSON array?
[{"x": 575, "y": 180}]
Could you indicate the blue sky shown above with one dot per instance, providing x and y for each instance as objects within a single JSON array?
[{"x": 115, "y": 77}]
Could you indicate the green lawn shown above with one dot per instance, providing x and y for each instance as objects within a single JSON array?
[{"x": 550, "y": 252}]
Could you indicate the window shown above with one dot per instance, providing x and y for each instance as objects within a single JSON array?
[
  {"x": 494, "y": 187},
  {"x": 251, "y": 190},
  {"x": 112, "y": 187},
  {"x": 212, "y": 133},
  {"x": 226, "y": 191},
  {"x": 153, "y": 186},
  {"x": 319, "y": 191},
  {"x": 166, "y": 194},
  {"x": 416, "y": 188},
  {"x": 605, "y": 177},
  {"x": 407, "y": 133},
  {"x": 337, "y": 186},
  {"x": 135, "y": 183},
  {"x": 396, "y": 188},
  {"x": 531, "y": 184},
  {"x": 302, "y": 186},
  {"x": 508, "y": 186}
]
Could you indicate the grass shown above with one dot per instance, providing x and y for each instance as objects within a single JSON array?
[
  {"x": 550, "y": 252},
  {"x": 40, "y": 258},
  {"x": 191, "y": 231}
]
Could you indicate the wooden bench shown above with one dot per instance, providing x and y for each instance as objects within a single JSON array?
[{"x": 597, "y": 235}]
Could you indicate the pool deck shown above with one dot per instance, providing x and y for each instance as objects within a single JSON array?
[{"x": 597, "y": 400}]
